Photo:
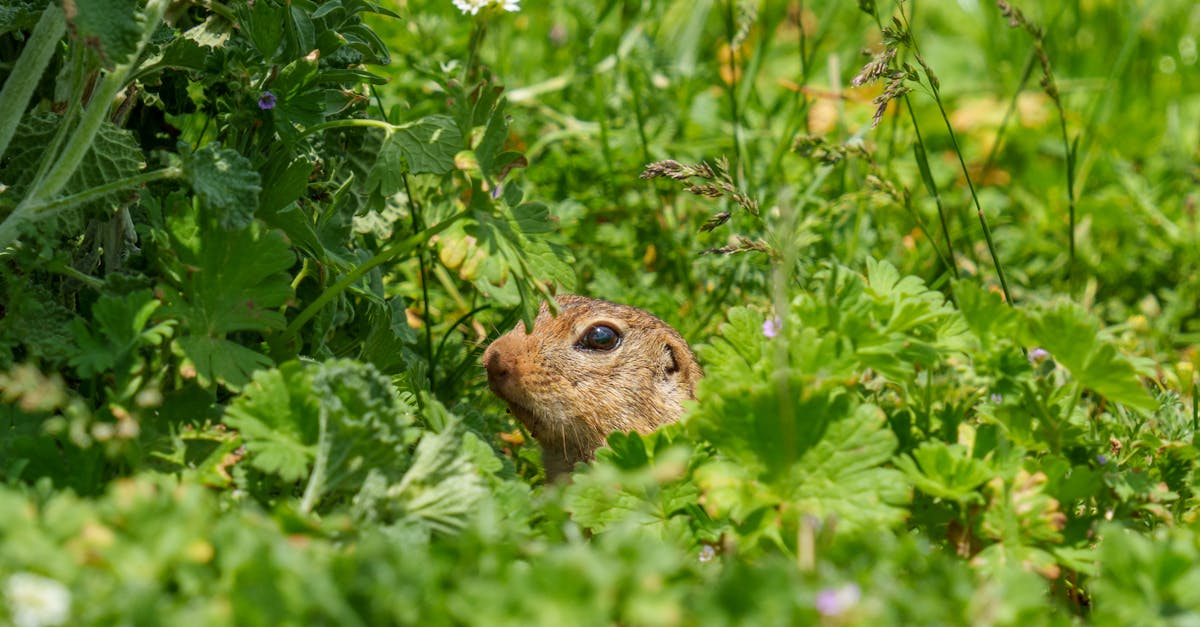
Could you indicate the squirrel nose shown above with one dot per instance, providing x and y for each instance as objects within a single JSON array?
[
  {"x": 497, "y": 361},
  {"x": 494, "y": 363}
]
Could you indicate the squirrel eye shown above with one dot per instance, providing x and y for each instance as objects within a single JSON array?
[{"x": 600, "y": 337}]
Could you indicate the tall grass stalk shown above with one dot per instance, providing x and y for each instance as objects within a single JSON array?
[{"x": 935, "y": 91}]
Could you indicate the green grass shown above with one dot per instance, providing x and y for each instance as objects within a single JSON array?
[{"x": 240, "y": 343}]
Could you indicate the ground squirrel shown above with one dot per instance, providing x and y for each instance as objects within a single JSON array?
[{"x": 595, "y": 368}]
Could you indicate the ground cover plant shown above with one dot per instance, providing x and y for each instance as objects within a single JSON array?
[{"x": 938, "y": 259}]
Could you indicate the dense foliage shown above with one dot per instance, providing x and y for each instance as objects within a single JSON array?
[{"x": 939, "y": 261}]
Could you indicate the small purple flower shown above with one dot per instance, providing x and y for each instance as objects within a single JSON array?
[
  {"x": 707, "y": 553},
  {"x": 836, "y": 601},
  {"x": 497, "y": 190},
  {"x": 996, "y": 399},
  {"x": 1038, "y": 355},
  {"x": 266, "y": 101},
  {"x": 771, "y": 327},
  {"x": 1102, "y": 459}
]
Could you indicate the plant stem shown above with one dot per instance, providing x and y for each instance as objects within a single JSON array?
[
  {"x": 28, "y": 70},
  {"x": 392, "y": 251},
  {"x": 735, "y": 117},
  {"x": 316, "y": 480},
  {"x": 366, "y": 123},
  {"x": 987, "y": 232},
  {"x": 933, "y": 189},
  {"x": 93, "y": 117},
  {"x": 48, "y": 208}
]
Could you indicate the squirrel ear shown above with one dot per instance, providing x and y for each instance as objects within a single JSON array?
[{"x": 672, "y": 357}]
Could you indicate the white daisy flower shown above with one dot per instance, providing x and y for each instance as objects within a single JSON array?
[
  {"x": 473, "y": 6},
  {"x": 37, "y": 601}
]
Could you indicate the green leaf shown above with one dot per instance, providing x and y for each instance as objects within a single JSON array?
[
  {"x": 262, "y": 22},
  {"x": 277, "y": 415},
  {"x": 945, "y": 471},
  {"x": 288, "y": 181},
  {"x": 1148, "y": 577},
  {"x": 222, "y": 361},
  {"x": 111, "y": 27},
  {"x": 226, "y": 183},
  {"x": 226, "y": 282},
  {"x": 843, "y": 476},
  {"x": 364, "y": 426},
  {"x": 18, "y": 15},
  {"x": 984, "y": 312},
  {"x": 1073, "y": 338},
  {"x": 114, "y": 155},
  {"x": 442, "y": 486},
  {"x": 118, "y": 329},
  {"x": 426, "y": 146}
]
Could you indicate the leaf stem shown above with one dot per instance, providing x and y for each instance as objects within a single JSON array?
[
  {"x": 392, "y": 251},
  {"x": 28, "y": 70},
  {"x": 365, "y": 123},
  {"x": 93, "y": 117}
]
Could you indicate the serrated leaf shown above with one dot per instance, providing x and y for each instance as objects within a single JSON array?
[
  {"x": 261, "y": 22},
  {"x": 226, "y": 182},
  {"x": 227, "y": 282},
  {"x": 429, "y": 144},
  {"x": 945, "y": 471},
  {"x": 988, "y": 317},
  {"x": 426, "y": 146},
  {"x": 118, "y": 328},
  {"x": 1073, "y": 339},
  {"x": 235, "y": 282},
  {"x": 277, "y": 415},
  {"x": 111, "y": 27},
  {"x": 218, "y": 360},
  {"x": 114, "y": 155},
  {"x": 843, "y": 476},
  {"x": 442, "y": 486},
  {"x": 289, "y": 179}
]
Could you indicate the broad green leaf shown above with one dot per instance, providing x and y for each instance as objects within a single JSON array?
[
  {"x": 218, "y": 360},
  {"x": 114, "y": 155},
  {"x": 426, "y": 146},
  {"x": 118, "y": 328},
  {"x": 288, "y": 181},
  {"x": 984, "y": 312},
  {"x": 226, "y": 281},
  {"x": 945, "y": 471},
  {"x": 277, "y": 415},
  {"x": 844, "y": 475},
  {"x": 112, "y": 28},
  {"x": 225, "y": 182},
  {"x": 262, "y": 22},
  {"x": 1073, "y": 339}
]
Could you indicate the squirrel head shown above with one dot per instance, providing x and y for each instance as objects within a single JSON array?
[{"x": 595, "y": 368}]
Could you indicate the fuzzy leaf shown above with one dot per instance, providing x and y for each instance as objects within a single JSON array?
[
  {"x": 112, "y": 27},
  {"x": 114, "y": 155},
  {"x": 226, "y": 183}
]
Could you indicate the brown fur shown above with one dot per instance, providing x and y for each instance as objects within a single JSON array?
[{"x": 570, "y": 398}]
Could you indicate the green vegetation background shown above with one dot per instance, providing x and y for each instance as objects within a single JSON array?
[{"x": 250, "y": 254}]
